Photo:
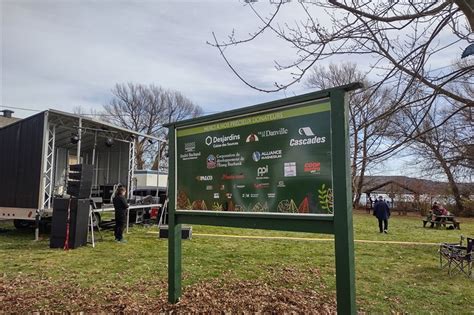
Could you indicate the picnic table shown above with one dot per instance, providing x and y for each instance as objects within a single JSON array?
[{"x": 442, "y": 220}]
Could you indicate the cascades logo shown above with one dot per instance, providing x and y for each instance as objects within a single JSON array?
[
  {"x": 312, "y": 138},
  {"x": 306, "y": 131}
]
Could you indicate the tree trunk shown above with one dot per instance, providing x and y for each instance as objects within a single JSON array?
[
  {"x": 360, "y": 181},
  {"x": 452, "y": 183}
]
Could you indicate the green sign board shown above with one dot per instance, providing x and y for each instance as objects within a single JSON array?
[
  {"x": 273, "y": 161},
  {"x": 282, "y": 165}
]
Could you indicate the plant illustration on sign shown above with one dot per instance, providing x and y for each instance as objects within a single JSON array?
[
  {"x": 241, "y": 208},
  {"x": 326, "y": 198},
  {"x": 217, "y": 206},
  {"x": 287, "y": 206},
  {"x": 259, "y": 207},
  {"x": 304, "y": 206},
  {"x": 183, "y": 201},
  {"x": 199, "y": 205}
]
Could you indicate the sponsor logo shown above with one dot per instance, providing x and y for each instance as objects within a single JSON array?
[
  {"x": 216, "y": 195},
  {"x": 261, "y": 185},
  {"x": 190, "y": 147},
  {"x": 272, "y": 133},
  {"x": 306, "y": 131},
  {"x": 239, "y": 186},
  {"x": 249, "y": 195},
  {"x": 204, "y": 178},
  {"x": 190, "y": 156},
  {"x": 211, "y": 161},
  {"x": 312, "y": 167},
  {"x": 271, "y": 195},
  {"x": 267, "y": 155},
  {"x": 281, "y": 184},
  {"x": 312, "y": 138},
  {"x": 222, "y": 141},
  {"x": 233, "y": 176},
  {"x": 289, "y": 169},
  {"x": 230, "y": 159},
  {"x": 209, "y": 187},
  {"x": 262, "y": 171},
  {"x": 251, "y": 138},
  {"x": 256, "y": 156}
]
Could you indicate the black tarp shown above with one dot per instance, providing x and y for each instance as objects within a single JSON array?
[{"x": 21, "y": 147}]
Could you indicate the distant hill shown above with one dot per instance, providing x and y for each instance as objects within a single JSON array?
[{"x": 409, "y": 185}]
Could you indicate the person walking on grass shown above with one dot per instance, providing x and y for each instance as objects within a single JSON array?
[
  {"x": 382, "y": 213},
  {"x": 121, "y": 206}
]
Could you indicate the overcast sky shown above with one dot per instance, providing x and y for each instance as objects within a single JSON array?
[
  {"x": 61, "y": 54},
  {"x": 68, "y": 53}
]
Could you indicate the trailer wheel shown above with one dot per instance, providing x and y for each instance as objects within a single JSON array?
[
  {"x": 96, "y": 220},
  {"x": 22, "y": 224}
]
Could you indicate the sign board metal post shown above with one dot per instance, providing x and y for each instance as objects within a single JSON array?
[
  {"x": 343, "y": 230},
  {"x": 174, "y": 230},
  {"x": 244, "y": 173}
]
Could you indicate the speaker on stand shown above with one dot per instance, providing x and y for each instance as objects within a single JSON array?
[{"x": 71, "y": 215}]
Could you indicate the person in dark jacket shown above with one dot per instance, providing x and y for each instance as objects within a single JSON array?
[
  {"x": 382, "y": 212},
  {"x": 121, "y": 206}
]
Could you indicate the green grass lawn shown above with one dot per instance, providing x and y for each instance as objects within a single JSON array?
[{"x": 389, "y": 277}]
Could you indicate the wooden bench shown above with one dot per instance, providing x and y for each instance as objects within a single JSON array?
[{"x": 455, "y": 224}]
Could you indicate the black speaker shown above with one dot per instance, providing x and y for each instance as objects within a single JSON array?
[
  {"x": 186, "y": 232},
  {"x": 78, "y": 225},
  {"x": 79, "y": 182}
]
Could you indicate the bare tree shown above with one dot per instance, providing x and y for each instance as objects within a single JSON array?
[
  {"x": 81, "y": 111},
  {"x": 367, "y": 120},
  {"x": 439, "y": 150},
  {"x": 401, "y": 37},
  {"x": 145, "y": 109}
]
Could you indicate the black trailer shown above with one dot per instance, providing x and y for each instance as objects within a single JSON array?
[{"x": 35, "y": 154}]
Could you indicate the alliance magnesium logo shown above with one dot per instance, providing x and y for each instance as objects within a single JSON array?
[
  {"x": 266, "y": 155},
  {"x": 256, "y": 156},
  {"x": 310, "y": 139}
]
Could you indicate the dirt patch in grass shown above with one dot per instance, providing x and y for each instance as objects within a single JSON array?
[{"x": 281, "y": 291}]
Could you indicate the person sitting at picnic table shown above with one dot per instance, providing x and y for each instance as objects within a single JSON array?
[{"x": 437, "y": 212}]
